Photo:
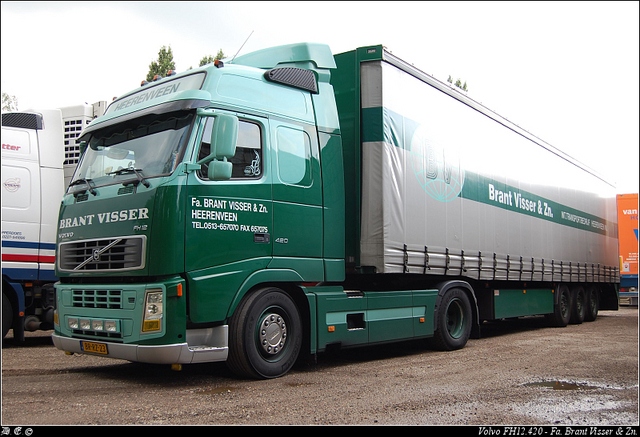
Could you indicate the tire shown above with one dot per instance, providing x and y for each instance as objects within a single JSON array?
[
  {"x": 7, "y": 315},
  {"x": 593, "y": 303},
  {"x": 578, "y": 305},
  {"x": 265, "y": 335},
  {"x": 562, "y": 309},
  {"x": 453, "y": 321}
]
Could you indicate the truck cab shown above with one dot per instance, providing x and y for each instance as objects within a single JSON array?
[
  {"x": 32, "y": 186},
  {"x": 193, "y": 192}
]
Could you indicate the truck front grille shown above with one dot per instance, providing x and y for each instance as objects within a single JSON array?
[
  {"x": 108, "y": 299},
  {"x": 108, "y": 254}
]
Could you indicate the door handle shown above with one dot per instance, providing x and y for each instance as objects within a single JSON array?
[{"x": 261, "y": 237}]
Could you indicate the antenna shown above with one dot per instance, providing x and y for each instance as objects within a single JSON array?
[{"x": 245, "y": 41}]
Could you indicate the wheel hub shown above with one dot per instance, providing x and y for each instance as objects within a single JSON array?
[
  {"x": 455, "y": 319},
  {"x": 273, "y": 333}
]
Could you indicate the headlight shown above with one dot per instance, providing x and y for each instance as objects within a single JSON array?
[
  {"x": 73, "y": 323},
  {"x": 153, "y": 310},
  {"x": 85, "y": 324}
]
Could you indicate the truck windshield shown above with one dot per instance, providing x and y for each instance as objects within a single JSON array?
[{"x": 133, "y": 151}]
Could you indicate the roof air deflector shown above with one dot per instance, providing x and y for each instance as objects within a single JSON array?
[{"x": 295, "y": 77}]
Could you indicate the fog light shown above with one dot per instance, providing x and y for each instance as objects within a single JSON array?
[
  {"x": 85, "y": 324},
  {"x": 73, "y": 323},
  {"x": 97, "y": 325},
  {"x": 110, "y": 326}
]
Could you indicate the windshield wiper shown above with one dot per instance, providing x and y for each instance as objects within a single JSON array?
[
  {"x": 131, "y": 170},
  {"x": 89, "y": 184}
]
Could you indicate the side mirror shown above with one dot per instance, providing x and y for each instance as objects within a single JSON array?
[
  {"x": 219, "y": 170},
  {"x": 83, "y": 147},
  {"x": 224, "y": 137}
]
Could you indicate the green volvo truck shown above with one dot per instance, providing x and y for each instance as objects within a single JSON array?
[{"x": 260, "y": 210}]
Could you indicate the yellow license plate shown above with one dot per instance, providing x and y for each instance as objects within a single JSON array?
[{"x": 96, "y": 348}]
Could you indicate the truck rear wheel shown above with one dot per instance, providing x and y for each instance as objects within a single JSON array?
[
  {"x": 578, "y": 305},
  {"x": 562, "y": 308},
  {"x": 592, "y": 306},
  {"x": 453, "y": 321},
  {"x": 265, "y": 335}
]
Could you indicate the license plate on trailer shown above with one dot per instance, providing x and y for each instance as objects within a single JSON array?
[{"x": 96, "y": 348}]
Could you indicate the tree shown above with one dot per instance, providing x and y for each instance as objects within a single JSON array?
[
  {"x": 162, "y": 65},
  {"x": 209, "y": 59},
  {"x": 9, "y": 103},
  {"x": 458, "y": 83}
]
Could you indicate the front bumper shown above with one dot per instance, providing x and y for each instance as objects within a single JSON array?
[{"x": 202, "y": 346}]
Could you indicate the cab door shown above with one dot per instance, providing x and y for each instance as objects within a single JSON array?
[
  {"x": 297, "y": 199},
  {"x": 229, "y": 223}
]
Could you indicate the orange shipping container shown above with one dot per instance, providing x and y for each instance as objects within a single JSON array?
[{"x": 628, "y": 238}]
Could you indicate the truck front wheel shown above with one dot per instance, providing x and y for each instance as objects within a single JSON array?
[
  {"x": 265, "y": 335},
  {"x": 453, "y": 321}
]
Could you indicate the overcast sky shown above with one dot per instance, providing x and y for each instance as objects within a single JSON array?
[{"x": 566, "y": 72}]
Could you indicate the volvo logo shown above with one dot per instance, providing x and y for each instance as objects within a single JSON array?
[
  {"x": 95, "y": 255},
  {"x": 12, "y": 185}
]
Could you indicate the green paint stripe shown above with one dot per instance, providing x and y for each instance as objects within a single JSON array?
[
  {"x": 373, "y": 125},
  {"x": 490, "y": 192},
  {"x": 383, "y": 125}
]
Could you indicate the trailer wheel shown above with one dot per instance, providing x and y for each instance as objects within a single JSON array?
[
  {"x": 578, "y": 305},
  {"x": 562, "y": 308},
  {"x": 7, "y": 315},
  {"x": 593, "y": 303},
  {"x": 265, "y": 335},
  {"x": 453, "y": 321}
]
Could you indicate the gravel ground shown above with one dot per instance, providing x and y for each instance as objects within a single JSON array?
[{"x": 519, "y": 373}]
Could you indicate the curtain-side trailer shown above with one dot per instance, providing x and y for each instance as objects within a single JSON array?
[
  {"x": 266, "y": 208},
  {"x": 448, "y": 188}
]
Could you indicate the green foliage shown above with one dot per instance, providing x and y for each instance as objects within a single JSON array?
[
  {"x": 458, "y": 83},
  {"x": 162, "y": 65},
  {"x": 209, "y": 59},
  {"x": 9, "y": 103}
]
